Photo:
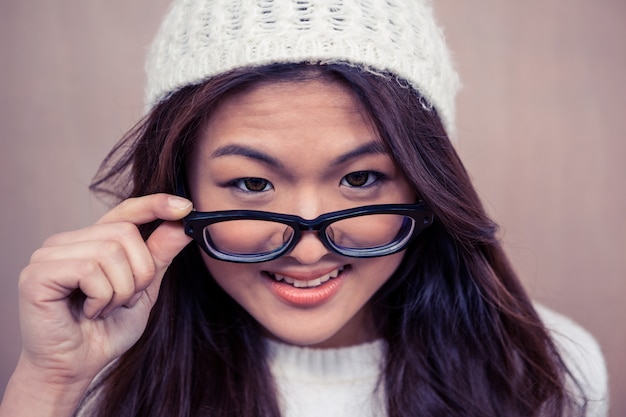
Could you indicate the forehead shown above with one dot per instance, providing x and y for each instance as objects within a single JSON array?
[
  {"x": 269, "y": 98},
  {"x": 306, "y": 115}
]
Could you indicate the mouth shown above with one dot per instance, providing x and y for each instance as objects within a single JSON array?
[{"x": 308, "y": 283}]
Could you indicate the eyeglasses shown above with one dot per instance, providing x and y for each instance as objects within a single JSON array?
[{"x": 249, "y": 236}]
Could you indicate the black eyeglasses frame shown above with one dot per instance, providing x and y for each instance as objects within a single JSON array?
[{"x": 195, "y": 223}]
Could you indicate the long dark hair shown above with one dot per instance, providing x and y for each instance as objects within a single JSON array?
[{"x": 463, "y": 337}]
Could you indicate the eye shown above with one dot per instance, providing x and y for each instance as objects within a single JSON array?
[
  {"x": 361, "y": 179},
  {"x": 252, "y": 185}
]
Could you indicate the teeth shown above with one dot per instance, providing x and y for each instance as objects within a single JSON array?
[
  {"x": 314, "y": 282},
  {"x": 310, "y": 283},
  {"x": 300, "y": 284}
]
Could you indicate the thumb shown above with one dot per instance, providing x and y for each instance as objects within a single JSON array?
[{"x": 164, "y": 244}]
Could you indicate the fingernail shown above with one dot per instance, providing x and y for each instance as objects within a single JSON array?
[{"x": 179, "y": 203}]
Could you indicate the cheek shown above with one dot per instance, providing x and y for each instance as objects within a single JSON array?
[
  {"x": 369, "y": 275},
  {"x": 232, "y": 277}
]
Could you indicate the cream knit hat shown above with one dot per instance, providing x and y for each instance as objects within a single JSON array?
[{"x": 202, "y": 38}]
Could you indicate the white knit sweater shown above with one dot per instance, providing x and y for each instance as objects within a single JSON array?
[
  {"x": 343, "y": 382},
  {"x": 328, "y": 382}
]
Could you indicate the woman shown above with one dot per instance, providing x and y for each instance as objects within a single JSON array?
[{"x": 342, "y": 261}]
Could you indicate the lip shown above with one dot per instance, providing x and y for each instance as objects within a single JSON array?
[{"x": 306, "y": 297}]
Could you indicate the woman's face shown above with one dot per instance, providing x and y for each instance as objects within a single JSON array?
[{"x": 302, "y": 148}]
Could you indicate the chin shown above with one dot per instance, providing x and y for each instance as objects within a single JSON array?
[{"x": 342, "y": 335}]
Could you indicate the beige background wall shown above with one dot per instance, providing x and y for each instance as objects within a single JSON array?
[{"x": 541, "y": 129}]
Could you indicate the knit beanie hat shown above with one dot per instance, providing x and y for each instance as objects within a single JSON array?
[{"x": 203, "y": 38}]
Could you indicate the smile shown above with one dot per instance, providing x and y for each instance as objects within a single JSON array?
[{"x": 311, "y": 283}]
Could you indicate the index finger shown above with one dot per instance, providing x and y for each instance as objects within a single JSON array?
[{"x": 141, "y": 210}]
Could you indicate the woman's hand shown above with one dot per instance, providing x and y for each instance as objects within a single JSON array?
[{"x": 85, "y": 298}]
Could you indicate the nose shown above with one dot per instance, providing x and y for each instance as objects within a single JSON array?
[
  {"x": 309, "y": 249},
  {"x": 309, "y": 205}
]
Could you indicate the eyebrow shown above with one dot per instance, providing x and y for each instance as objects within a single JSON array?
[
  {"x": 247, "y": 152},
  {"x": 373, "y": 147}
]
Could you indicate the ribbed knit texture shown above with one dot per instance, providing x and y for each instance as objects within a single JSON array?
[
  {"x": 329, "y": 382},
  {"x": 202, "y": 38}
]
